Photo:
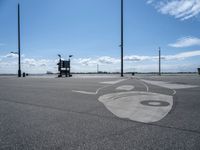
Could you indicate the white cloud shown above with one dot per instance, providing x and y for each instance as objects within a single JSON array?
[
  {"x": 85, "y": 61},
  {"x": 94, "y": 61},
  {"x": 108, "y": 60},
  {"x": 11, "y": 55},
  {"x": 140, "y": 63},
  {"x": 179, "y": 56},
  {"x": 182, "y": 56},
  {"x": 180, "y": 9},
  {"x": 150, "y": 1},
  {"x": 30, "y": 62},
  {"x": 186, "y": 42},
  {"x": 136, "y": 58}
]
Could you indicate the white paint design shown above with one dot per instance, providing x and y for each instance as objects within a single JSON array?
[
  {"x": 85, "y": 92},
  {"x": 147, "y": 87},
  {"x": 128, "y": 105},
  {"x": 97, "y": 91},
  {"x": 113, "y": 82},
  {"x": 125, "y": 87},
  {"x": 91, "y": 93},
  {"x": 174, "y": 92},
  {"x": 170, "y": 85}
]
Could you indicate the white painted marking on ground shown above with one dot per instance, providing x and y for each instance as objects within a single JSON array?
[
  {"x": 97, "y": 91},
  {"x": 85, "y": 92},
  {"x": 147, "y": 87},
  {"x": 125, "y": 87},
  {"x": 169, "y": 85},
  {"x": 128, "y": 105},
  {"x": 91, "y": 93},
  {"x": 174, "y": 92},
  {"x": 113, "y": 82}
]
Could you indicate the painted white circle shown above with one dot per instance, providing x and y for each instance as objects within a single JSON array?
[{"x": 130, "y": 105}]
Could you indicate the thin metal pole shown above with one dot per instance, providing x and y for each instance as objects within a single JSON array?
[
  {"x": 159, "y": 61},
  {"x": 19, "y": 48},
  {"x": 97, "y": 68},
  {"x": 122, "y": 37}
]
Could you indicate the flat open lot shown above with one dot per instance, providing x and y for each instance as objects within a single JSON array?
[{"x": 102, "y": 112}]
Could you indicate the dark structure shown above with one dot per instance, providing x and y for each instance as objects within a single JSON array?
[
  {"x": 198, "y": 70},
  {"x": 122, "y": 38},
  {"x": 24, "y": 74},
  {"x": 64, "y": 67},
  {"x": 19, "y": 48}
]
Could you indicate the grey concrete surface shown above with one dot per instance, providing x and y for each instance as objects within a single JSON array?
[{"x": 44, "y": 113}]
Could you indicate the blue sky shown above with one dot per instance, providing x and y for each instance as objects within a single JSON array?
[{"x": 90, "y": 30}]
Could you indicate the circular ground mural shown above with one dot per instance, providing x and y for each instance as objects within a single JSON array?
[{"x": 138, "y": 106}]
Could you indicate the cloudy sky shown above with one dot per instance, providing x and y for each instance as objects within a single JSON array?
[{"x": 90, "y": 30}]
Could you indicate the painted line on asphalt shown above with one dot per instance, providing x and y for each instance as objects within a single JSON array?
[
  {"x": 147, "y": 87},
  {"x": 113, "y": 82},
  {"x": 174, "y": 92},
  {"x": 91, "y": 93},
  {"x": 125, "y": 87},
  {"x": 170, "y": 85},
  {"x": 97, "y": 91},
  {"x": 84, "y": 92}
]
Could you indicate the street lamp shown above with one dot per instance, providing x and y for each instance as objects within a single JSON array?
[
  {"x": 59, "y": 66},
  {"x": 19, "y": 48},
  {"x": 122, "y": 37},
  {"x": 97, "y": 68},
  {"x": 14, "y": 53},
  {"x": 19, "y": 63},
  {"x": 70, "y": 57},
  {"x": 70, "y": 65},
  {"x": 159, "y": 53}
]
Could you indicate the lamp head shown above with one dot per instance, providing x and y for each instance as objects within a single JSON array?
[{"x": 14, "y": 52}]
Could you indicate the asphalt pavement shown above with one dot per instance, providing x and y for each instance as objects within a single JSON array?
[{"x": 100, "y": 112}]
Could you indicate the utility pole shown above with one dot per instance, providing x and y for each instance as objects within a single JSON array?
[
  {"x": 122, "y": 37},
  {"x": 97, "y": 68},
  {"x": 159, "y": 62},
  {"x": 19, "y": 48}
]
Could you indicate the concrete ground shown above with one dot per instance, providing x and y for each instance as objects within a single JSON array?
[{"x": 100, "y": 113}]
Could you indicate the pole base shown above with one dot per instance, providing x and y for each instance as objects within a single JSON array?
[{"x": 19, "y": 73}]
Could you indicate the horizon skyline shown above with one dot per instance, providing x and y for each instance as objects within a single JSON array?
[{"x": 180, "y": 48}]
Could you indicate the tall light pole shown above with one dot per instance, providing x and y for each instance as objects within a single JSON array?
[
  {"x": 59, "y": 66},
  {"x": 70, "y": 65},
  {"x": 159, "y": 50},
  {"x": 122, "y": 37},
  {"x": 19, "y": 48}
]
